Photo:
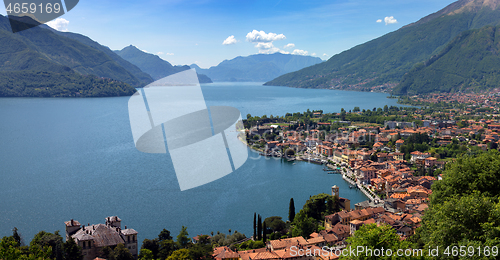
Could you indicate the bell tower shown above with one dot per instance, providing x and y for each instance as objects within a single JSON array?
[{"x": 335, "y": 191}]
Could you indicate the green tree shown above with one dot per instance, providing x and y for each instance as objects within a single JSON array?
[
  {"x": 146, "y": 254},
  {"x": 164, "y": 235},
  {"x": 464, "y": 207},
  {"x": 303, "y": 225},
  {"x": 251, "y": 244},
  {"x": 222, "y": 240},
  {"x": 151, "y": 245},
  {"x": 181, "y": 254},
  {"x": 275, "y": 224},
  {"x": 71, "y": 250},
  {"x": 166, "y": 248},
  {"x": 259, "y": 227},
  {"x": 122, "y": 253},
  {"x": 319, "y": 206},
  {"x": 342, "y": 115},
  {"x": 264, "y": 232},
  {"x": 54, "y": 241},
  {"x": 107, "y": 253},
  {"x": 492, "y": 145},
  {"x": 468, "y": 175},
  {"x": 472, "y": 219},
  {"x": 182, "y": 238},
  {"x": 202, "y": 249},
  {"x": 17, "y": 237},
  {"x": 9, "y": 249},
  {"x": 254, "y": 226},
  {"x": 376, "y": 237},
  {"x": 291, "y": 210}
]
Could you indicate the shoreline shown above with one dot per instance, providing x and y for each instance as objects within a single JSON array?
[{"x": 344, "y": 174}]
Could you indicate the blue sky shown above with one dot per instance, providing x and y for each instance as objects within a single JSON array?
[{"x": 193, "y": 31}]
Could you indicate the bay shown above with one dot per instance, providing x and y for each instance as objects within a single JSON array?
[{"x": 65, "y": 158}]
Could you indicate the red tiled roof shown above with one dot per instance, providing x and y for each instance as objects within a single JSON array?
[{"x": 266, "y": 255}]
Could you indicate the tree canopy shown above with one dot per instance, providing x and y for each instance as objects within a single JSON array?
[
  {"x": 464, "y": 209},
  {"x": 375, "y": 237},
  {"x": 274, "y": 224},
  {"x": 319, "y": 206}
]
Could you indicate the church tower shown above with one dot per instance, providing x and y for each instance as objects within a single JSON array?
[{"x": 335, "y": 191}]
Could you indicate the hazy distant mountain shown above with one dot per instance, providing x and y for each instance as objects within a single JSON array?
[
  {"x": 39, "y": 62},
  {"x": 152, "y": 64},
  {"x": 258, "y": 67},
  {"x": 382, "y": 62},
  {"x": 470, "y": 61}
]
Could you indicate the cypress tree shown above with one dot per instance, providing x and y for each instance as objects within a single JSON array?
[
  {"x": 264, "y": 237},
  {"x": 254, "y": 226},
  {"x": 17, "y": 237},
  {"x": 291, "y": 210},
  {"x": 259, "y": 228}
]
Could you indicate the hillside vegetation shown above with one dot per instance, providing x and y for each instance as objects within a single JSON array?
[
  {"x": 40, "y": 62},
  {"x": 66, "y": 84},
  {"x": 470, "y": 62}
]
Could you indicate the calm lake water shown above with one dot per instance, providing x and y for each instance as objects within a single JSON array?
[{"x": 64, "y": 158}]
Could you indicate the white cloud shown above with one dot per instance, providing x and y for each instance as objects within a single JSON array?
[
  {"x": 264, "y": 41},
  {"x": 160, "y": 53},
  {"x": 299, "y": 52},
  {"x": 266, "y": 47},
  {"x": 59, "y": 24},
  {"x": 324, "y": 54},
  {"x": 313, "y": 54},
  {"x": 379, "y": 20},
  {"x": 230, "y": 40},
  {"x": 261, "y": 36},
  {"x": 290, "y": 45},
  {"x": 390, "y": 20},
  {"x": 169, "y": 54}
]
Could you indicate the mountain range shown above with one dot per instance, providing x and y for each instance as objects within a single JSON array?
[
  {"x": 258, "y": 67},
  {"x": 454, "y": 49},
  {"x": 470, "y": 62},
  {"x": 40, "y": 62},
  {"x": 154, "y": 65},
  {"x": 43, "y": 62},
  {"x": 143, "y": 76},
  {"x": 380, "y": 64}
]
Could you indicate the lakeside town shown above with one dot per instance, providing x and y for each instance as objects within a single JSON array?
[
  {"x": 393, "y": 155},
  {"x": 393, "y": 163}
]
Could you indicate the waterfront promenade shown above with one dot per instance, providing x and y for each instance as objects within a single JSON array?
[{"x": 348, "y": 176}]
